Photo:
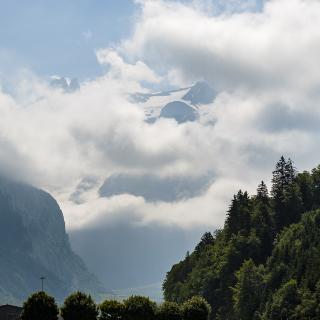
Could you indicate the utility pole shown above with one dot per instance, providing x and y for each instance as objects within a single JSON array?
[{"x": 42, "y": 280}]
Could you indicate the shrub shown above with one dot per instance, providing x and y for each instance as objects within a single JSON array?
[
  {"x": 79, "y": 306},
  {"x": 139, "y": 308},
  {"x": 197, "y": 308},
  {"x": 40, "y": 306},
  {"x": 169, "y": 311},
  {"x": 111, "y": 310}
]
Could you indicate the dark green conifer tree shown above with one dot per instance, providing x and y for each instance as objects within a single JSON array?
[
  {"x": 206, "y": 240},
  {"x": 286, "y": 195},
  {"x": 315, "y": 174},
  {"x": 263, "y": 222},
  {"x": 239, "y": 214},
  {"x": 306, "y": 187},
  {"x": 263, "y": 193}
]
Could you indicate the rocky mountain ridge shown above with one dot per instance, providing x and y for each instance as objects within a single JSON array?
[{"x": 34, "y": 243}]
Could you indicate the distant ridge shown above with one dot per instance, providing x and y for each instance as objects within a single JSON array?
[{"x": 34, "y": 243}]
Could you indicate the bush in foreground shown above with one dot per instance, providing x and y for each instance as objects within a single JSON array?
[
  {"x": 40, "y": 306},
  {"x": 79, "y": 306},
  {"x": 196, "y": 308},
  {"x": 169, "y": 311},
  {"x": 111, "y": 310},
  {"x": 139, "y": 308}
]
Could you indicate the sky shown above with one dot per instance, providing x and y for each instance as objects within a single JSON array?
[
  {"x": 60, "y": 37},
  {"x": 262, "y": 59}
]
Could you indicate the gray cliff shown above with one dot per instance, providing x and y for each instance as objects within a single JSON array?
[{"x": 34, "y": 243}]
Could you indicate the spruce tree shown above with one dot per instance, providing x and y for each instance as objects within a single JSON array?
[
  {"x": 316, "y": 186},
  {"x": 239, "y": 214},
  {"x": 262, "y": 192},
  {"x": 306, "y": 186},
  {"x": 206, "y": 240},
  {"x": 263, "y": 222},
  {"x": 279, "y": 180},
  {"x": 290, "y": 172},
  {"x": 287, "y": 198}
]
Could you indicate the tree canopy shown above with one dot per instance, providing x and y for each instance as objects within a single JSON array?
[
  {"x": 111, "y": 310},
  {"x": 40, "y": 306},
  {"x": 169, "y": 311},
  {"x": 196, "y": 308},
  {"x": 139, "y": 307},
  {"x": 79, "y": 306}
]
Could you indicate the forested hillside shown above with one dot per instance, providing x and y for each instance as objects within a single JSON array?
[{"x": 265, "y": 262}]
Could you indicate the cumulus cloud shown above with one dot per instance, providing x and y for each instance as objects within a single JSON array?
[
  {"x": 138, "y": 71},
  {"x": 191, "y": 213},
  {"x": 268, "y": 49},
  {"x": 264, "y": 65}
]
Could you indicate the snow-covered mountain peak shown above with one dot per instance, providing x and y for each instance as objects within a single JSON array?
[
  {"x": 200, "y": 93},
  {"x": 183, "y": 105}
]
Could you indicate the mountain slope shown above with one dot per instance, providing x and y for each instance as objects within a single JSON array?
[
  {"x": 264, "y": 263},
  {"x": 34, "y": 243},
  {"x": 200, "y": 93}
]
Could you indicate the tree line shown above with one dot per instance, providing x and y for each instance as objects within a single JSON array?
[
  {"x": 265, "y": 262},
  {"x": 80, "y": 306}
]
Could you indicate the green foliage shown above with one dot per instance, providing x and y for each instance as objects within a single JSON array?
[
  {"x": 298, "y": 252},
  {"x": 238, "y": 217},
  {"x": 40, "y": 306},
  {"x": 111, "y": 310},
  {"x": 139, "y": 308},
  {"x": 169, "y": 311},
  {"x": 206, "y": 240},
  {"x": 316, "y": 186},
  {"x": 176, "y": 277},
  {"x": 248, "y": 291},
  {"x": 286, "y": 194},
  {"x": 284, "y": 302},
  {"x": 265, "y": 263},
  {"x": 79, "y": 306},
  {"x": 309, "y": 306},
  {"x": 196, "y": 308}
]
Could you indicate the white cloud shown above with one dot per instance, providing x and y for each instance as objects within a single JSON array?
[
  {"x": 264, "y": 63},
  {"x": 273, "y": 49},
  {"x": 122, "y": 70},
  {"x": 206, "y": 210}
]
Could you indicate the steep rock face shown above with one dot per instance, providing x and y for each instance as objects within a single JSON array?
[{"x": 34, "y": 243}]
